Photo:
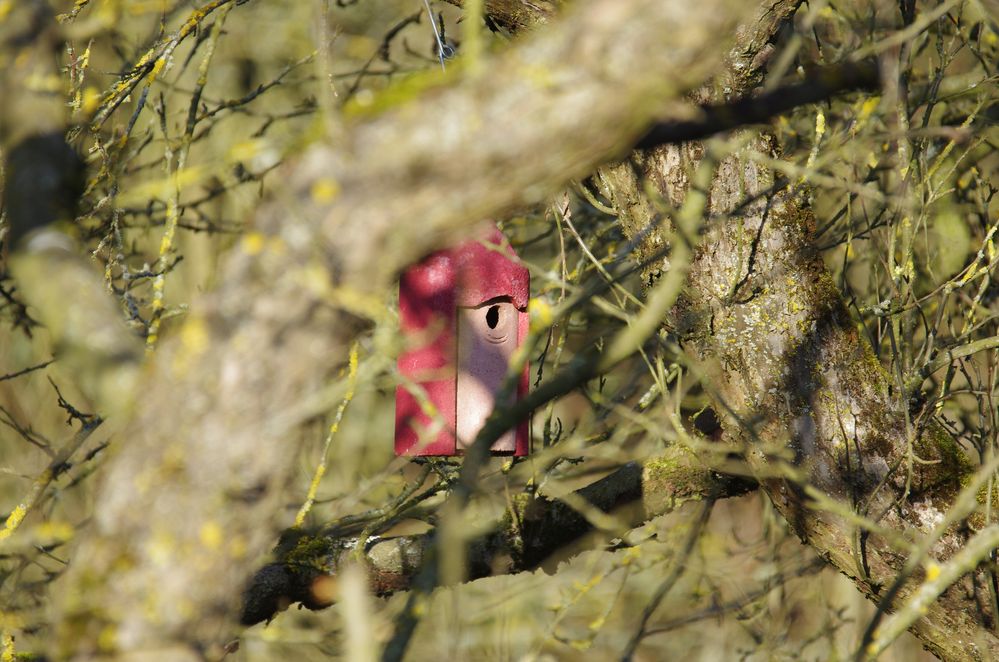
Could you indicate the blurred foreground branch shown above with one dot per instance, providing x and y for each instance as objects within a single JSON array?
[
  {"x": 208, "y": 448},
  {"x": 517, "y": 14}
]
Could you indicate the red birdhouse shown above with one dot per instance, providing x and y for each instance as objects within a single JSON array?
[{"x": 463, "y": 313}]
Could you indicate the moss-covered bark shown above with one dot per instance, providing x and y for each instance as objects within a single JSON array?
[
  {"x": 803, "y": 392},
  {"x": 533, "y": 528},
  {"x": 517, "y": 15}
]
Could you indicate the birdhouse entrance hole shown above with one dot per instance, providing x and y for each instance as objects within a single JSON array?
[{"x": 487, "y": 339}]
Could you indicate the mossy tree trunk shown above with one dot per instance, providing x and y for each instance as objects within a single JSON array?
[{"x": 801, "y": 394}]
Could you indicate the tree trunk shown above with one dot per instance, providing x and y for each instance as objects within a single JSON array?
[{"x": 801, "y": 394}]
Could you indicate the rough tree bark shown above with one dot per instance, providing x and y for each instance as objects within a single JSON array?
[{"x": 803, "y": 393}]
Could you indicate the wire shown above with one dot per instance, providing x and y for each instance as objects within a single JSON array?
[{"x": 437, "y": 35}]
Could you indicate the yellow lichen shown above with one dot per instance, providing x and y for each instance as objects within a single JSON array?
[
  {"x": 194, "y": 335},
  {"x": 324, "y": 190},
  {"x": 237, "y": 547},
  {"x": 246, "y": 150},
  {"x": 253, "y": 243},
  {"x": 161, "y": 548},
  {"x": 321, "y": 467},
  {"x": 7, "y": 644},
  {"x": 157, "y": 69},
  {"x": 630, "y": 555},
  {"x": 211, "y": 535},
  {"x": 90, "y": 100},
  {"x": 541, "y": 314},
  {"x": 53, "y": 532},
  {"x": 107, "y": 639},
  {"x": 13, "y": 521}
]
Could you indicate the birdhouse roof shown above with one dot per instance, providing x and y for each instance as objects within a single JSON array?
[{"x": 487, "y": 268}]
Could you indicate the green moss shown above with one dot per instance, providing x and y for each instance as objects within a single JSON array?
[
  {"x": 672, "y": 479},
  {"x": 977, "y": 519},
  {"x": 519, "y": 504},
  {"x": 950, "y": 470},
  {"x": 311, "y": 552},
  {"x": 954, "y": 461},
  {"x": 510, "y": 525},
  {"x": 982, "y": 496}
]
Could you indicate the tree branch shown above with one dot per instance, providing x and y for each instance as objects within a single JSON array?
[
  {"x": 821, "y": 84},
  {"x": 528, "y": 534}
]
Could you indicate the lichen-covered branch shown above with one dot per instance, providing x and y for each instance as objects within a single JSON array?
[
  {"x": 426, "y": 150},
  {"x": 517, "y": 15},
  {"x": 530, "y": 531}
]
